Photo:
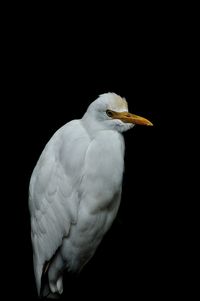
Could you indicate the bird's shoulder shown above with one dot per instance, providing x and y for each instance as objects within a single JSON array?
[
  {"x": 68, "y": 142},
  {"x": 59, "y": 162}
]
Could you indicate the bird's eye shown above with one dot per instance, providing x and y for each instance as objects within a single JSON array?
[{"x": 109, "y": 113}]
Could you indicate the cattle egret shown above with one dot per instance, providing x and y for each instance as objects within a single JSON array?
[{"x": 75, "y": 190}]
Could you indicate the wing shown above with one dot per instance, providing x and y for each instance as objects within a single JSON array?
[{"x": 53, "y": 192}]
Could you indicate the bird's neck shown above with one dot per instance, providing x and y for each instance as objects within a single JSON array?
[{"x": 92, "y": 126}]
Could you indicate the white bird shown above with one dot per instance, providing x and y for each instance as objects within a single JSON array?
[{"x": 75, "y": 190}]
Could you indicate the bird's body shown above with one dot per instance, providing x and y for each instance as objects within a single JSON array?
[{"x": 75, "y": 191}]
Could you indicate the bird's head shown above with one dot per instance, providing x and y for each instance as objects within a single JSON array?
[{"x": 110, "y": 111}]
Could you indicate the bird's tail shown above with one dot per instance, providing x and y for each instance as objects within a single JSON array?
[{"x": 38, "y": 274}]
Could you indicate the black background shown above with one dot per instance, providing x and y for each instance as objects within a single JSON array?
[{"x": 55, "y": 68}]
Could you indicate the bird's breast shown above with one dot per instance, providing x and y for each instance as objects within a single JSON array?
[
  {"x": 103, "y": 170},
  {"x": 99, "y": 193}
]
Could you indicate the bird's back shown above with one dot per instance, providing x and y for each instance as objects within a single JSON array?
[{"x": 53, "y": 201}]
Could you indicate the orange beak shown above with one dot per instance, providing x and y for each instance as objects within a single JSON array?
[{"x": 131, "y": 118}]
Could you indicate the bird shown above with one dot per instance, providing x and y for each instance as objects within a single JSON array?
[{"x": 75, "y": 190}]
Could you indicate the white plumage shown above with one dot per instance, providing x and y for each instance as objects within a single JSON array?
[{"x": 75, "y": 189}]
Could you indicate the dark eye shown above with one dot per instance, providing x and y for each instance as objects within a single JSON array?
[{"x": 109, "y": 113}]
